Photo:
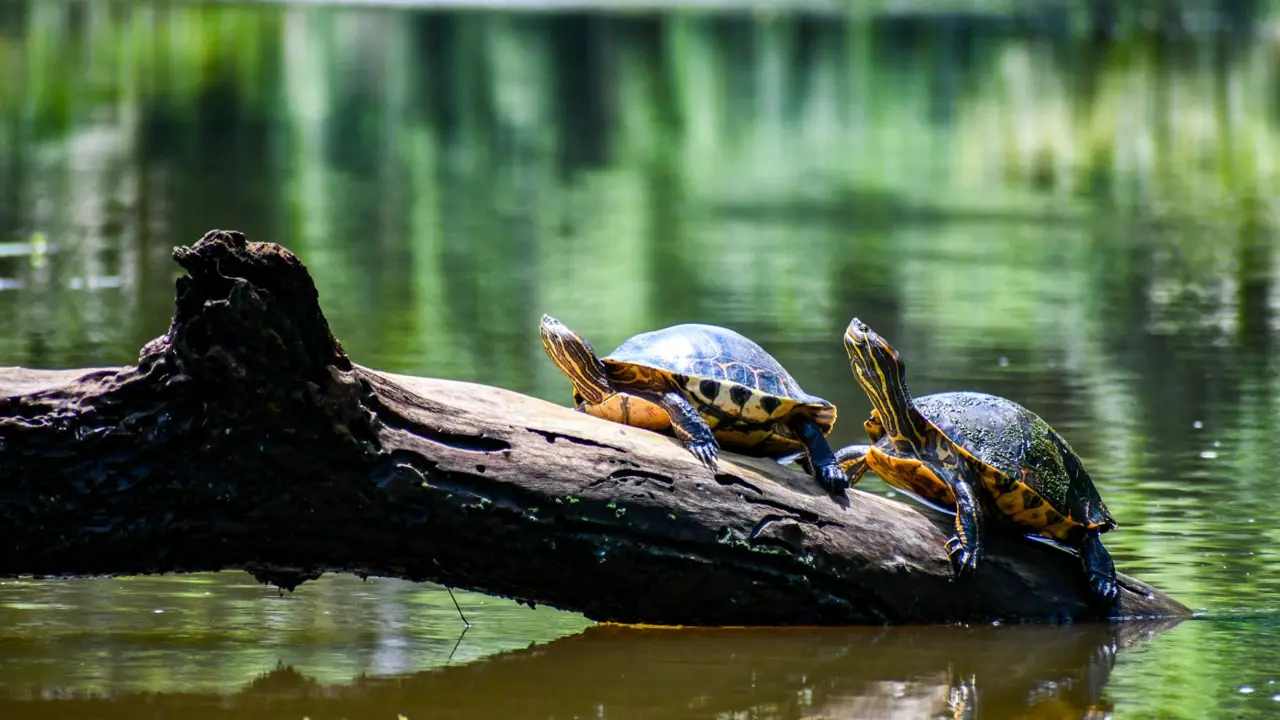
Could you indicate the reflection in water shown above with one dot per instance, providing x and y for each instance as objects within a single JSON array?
[
  {"x": 620, "y": 672},
  {"x": 1077, "y": 219},
  {"x": 214, "y": 632}
]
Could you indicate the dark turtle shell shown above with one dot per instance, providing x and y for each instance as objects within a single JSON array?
[
  {"x": 728, "y": 377},
  {"x": 1027, "y": 454}
]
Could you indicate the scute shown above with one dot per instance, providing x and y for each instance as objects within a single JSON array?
[
  {"x": 989, "y": 427},
  {"x": 770, "y": 404},
  {"x": 705, "y": 369},
  {"x": 739, "y": 395},
  {"x": 719, "y": 401},
  {"x": 772, "y": 384},
  {"x": 739, "y": 373}
]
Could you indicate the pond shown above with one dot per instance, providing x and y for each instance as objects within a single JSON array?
[{"x": 1071, "y": 209}]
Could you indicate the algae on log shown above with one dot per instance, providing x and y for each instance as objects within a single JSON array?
[{"x": 246, "y": 439}]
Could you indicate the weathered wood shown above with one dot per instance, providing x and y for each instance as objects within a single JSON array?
[{"x": 245, "y": 438}]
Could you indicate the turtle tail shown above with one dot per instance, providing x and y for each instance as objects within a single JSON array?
[{"x": 575, "y": 357}]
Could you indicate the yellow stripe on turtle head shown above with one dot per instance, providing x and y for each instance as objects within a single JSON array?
[
  {"x": 575, "y": 357},
  {"x": 879, "y": 370}
]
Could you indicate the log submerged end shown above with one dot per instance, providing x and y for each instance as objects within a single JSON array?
[{"x": 247, "y": 439}]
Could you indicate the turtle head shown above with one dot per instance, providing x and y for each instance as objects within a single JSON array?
[
  {"x": 879, "y": 370},
  {"x": 575, "y": 357},
  {"x": 873, "y": 360}
]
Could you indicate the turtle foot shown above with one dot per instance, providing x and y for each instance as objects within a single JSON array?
[
  {"x": 832, "y": 478},
  {"x": 1104, "y": 586},
  {"x": 706, "y": 454},
  {"x": 1099, "y": 569},
  {"x": 964, "y": 560}
]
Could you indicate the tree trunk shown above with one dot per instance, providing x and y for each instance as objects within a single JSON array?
[{"x": 245, "y": 438}]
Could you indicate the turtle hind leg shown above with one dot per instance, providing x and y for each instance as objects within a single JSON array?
[
  {"x": 688, "y": 426},
  {"x": 821, "y": 461},
  {"x": 575, "y": 357},
  {"x": 964, "y": 549},
  {"x": 1099, "y": 569}
]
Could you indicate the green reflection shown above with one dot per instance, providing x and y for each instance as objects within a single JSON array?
[{"x": 216, "y": 632}]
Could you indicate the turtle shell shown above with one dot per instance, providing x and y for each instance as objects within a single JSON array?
[
  {"x": 741, "y": 391},
  {"x": 1030, "y": 474}
]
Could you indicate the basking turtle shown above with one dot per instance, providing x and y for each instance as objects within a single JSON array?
[
  {"x": 708, "y": 385},
  {"x": 975, "y": 454}
]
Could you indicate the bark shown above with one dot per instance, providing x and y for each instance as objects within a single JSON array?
[{"x": 245, "y": 438}]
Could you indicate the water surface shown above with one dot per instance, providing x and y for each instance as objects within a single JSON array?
[{"x": 1079, "y": 220}]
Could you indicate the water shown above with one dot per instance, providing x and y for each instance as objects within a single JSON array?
[{"x": 1082, "y": 221}]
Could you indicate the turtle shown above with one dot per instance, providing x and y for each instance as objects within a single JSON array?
[
  {"x": 709, "y": 386},
  {"x": 978, "y": 456}
]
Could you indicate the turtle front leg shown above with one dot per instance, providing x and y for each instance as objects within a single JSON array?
[
  {"x": 689, "y": 427},
  {"x": 822, "y": 462},
  {"x": 1099, "y": 568},
  {"x": 965, "y": 548},
  {"x": 852, "y": 461}
]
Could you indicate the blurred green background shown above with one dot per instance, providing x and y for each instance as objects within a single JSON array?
[{"x": 1070, "y": 204}]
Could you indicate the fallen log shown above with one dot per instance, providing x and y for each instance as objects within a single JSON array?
[{"x": 245, "y": 438}]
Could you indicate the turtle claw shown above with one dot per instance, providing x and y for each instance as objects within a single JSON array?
[
  {"x": 706, "y": 454},
  {"x": 964, "y": 560},
  {"x": 1099, "y": 570},
  {"x": 1104, "y": 586},
  {"x": 832, "y": 478}
]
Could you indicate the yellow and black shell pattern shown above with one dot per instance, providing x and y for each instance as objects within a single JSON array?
[
  {"x": 743, "y": 393},
  {"x": 1030, "y": 475}
]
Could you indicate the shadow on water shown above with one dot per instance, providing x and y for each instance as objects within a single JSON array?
[{"x": 623, "y": 672}]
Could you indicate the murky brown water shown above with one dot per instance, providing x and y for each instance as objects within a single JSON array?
[{"x": 1084, "y": 224}]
